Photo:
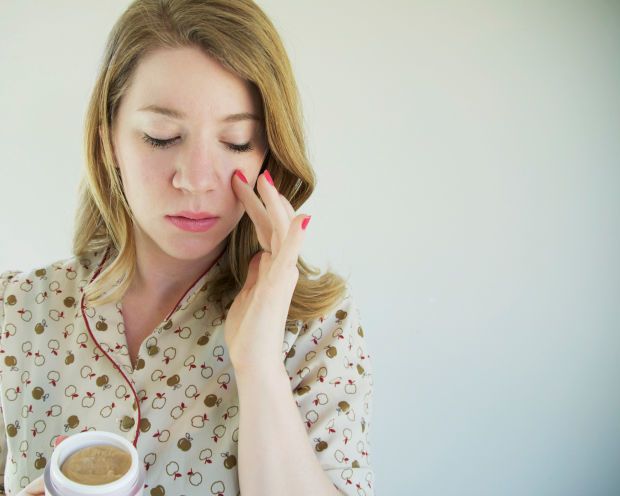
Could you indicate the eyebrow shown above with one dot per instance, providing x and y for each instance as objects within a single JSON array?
[{"x": 177, "y": 114}]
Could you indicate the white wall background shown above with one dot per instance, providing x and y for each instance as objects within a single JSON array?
[{"x": 468, "y": 158}]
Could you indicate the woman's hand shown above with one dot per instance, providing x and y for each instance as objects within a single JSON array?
[
  {"x": 37, "y": 487},
  {"x": 256, "y": 321}
]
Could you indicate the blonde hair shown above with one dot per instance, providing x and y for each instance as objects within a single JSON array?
[{"x": 242, "y": 38}]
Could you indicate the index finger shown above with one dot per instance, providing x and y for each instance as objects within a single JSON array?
[{"x": 254, "y": 208}]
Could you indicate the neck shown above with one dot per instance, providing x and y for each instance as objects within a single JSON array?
[{"x": 160, "y": 277}]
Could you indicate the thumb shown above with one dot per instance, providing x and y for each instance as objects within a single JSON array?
[{"x": 35, "y": 488}]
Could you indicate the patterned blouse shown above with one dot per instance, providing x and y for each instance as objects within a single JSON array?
[{"x": 65, "y": 368}]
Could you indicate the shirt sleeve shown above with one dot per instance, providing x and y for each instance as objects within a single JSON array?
[
  {"x": 332, "y": 385},
  {"x": 5, "y": 277}
]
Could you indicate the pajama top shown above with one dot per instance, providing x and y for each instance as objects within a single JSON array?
[{"x": 65, "y": 368}]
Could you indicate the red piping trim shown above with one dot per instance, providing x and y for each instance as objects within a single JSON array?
[
  {"x": 135, "y": 441},
  {"x": 174, "y": 308}
]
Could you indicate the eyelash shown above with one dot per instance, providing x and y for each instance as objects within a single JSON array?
[{"x": 157, "y": 143}]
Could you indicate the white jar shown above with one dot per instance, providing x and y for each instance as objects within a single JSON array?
[{"x": 57, "y": 484}]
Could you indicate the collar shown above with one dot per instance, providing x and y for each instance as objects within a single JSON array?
[{"x": 105, "y": 322}]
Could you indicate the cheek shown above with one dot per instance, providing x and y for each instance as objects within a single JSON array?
[
  {"x": 145, "y": 162},
  {"x": 141, "y": 180}
]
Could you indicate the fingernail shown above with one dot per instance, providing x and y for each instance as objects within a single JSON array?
[
  {"x": 305, "y": 222},
  {"x": 268, "y": 177},
  {"x": 240, "y": 175}
]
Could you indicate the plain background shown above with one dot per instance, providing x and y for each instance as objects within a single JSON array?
[{"x": 468, "y": 163}]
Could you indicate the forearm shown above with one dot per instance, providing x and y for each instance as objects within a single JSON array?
[{"x": 275, "y": 455}]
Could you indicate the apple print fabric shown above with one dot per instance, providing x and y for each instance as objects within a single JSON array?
[{"x": 65, "y": 368}]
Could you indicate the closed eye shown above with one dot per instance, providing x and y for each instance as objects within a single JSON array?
[{"x": 158, "y": 143}]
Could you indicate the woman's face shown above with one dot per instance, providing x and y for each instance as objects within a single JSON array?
[{"x": 193, "y": 172}]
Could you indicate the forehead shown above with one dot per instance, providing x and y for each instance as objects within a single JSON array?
[{"x": 192, "y": 81}]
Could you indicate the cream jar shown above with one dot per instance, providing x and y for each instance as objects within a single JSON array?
[{"x": 128, "y": 484}]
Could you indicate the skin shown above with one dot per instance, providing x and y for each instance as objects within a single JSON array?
[{"x": 193, "y": 173}]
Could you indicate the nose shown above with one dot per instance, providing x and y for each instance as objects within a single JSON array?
[{"x": 196, "y": 172}]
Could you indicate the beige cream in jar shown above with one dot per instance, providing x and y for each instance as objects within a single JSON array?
[{"x": 96, "y": 465}]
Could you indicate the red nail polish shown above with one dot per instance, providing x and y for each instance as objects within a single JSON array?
[
  {"x": 305, "y": 222},
  {"x": 268, "y": 177},
  {"x": 240, "y": 175}
]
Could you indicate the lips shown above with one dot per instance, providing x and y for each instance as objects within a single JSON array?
[
  {"x": 192, "y": 225},
  {"x": 195, "y": 215}
]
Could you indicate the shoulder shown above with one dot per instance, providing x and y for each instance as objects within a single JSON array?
[
  {"x": 60, "y": 278},
  {"x": 65, "y": 269},
  {"x": 6, "y": 278},
  {"x": 343, "y": 317},
  {"x": 336, "y": 333}
]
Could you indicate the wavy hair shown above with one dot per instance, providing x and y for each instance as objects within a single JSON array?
[{"x": 243, "y": 39}]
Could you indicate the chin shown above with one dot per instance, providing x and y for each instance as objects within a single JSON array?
[
  {"x": 183, "y": 245},
  {"x": 191, "y": 249}
]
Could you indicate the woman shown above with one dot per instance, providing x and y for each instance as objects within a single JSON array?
[{"x": 186, "y": 319}]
